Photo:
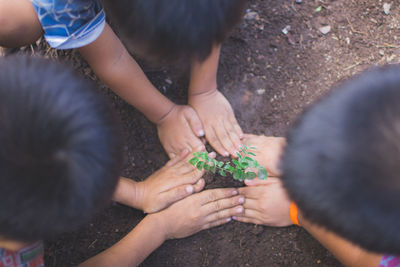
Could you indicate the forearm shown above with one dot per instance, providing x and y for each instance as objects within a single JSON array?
[
  {"x": 134, "y": 247},
  {"x": 346, "y": 252},
  {"x": 203, "y": 75},
  {"x": 116, "y": 68}
]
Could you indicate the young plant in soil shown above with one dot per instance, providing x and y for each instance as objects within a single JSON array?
[{"x": 202, "y": 161}]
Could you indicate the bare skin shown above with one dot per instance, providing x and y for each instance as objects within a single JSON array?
[
  {"x": 179, "y": 127},
  {"x": 267, "y": 203},
  {"x": 197, "y": 212},
  {"x": 175, "y": 181}
]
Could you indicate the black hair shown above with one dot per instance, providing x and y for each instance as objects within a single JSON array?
[
  {"x": 342, "y": 162},
  {"x": 60, "y": 149},
  {"x": 175, "y": 29}
]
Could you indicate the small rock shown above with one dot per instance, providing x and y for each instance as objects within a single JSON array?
[
  {"x": 381, "y": 52},
  {"x": 286, "y": 29},
  {"x": 299, "y": 1},
  {"x": 260, "y": 91},
  {"x": 386, "y": 8},
  {"x": 325, "y": 29},
  {"x": 168, "y": 81},
  {"x": 251, "y": 16}
]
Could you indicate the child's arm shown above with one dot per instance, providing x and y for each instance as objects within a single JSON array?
[
  {"x": 175, "y": 181},
  {"x": 268, "y": 204},
  {"x": 198, "y": 212},
  {"x": 178, "y": 126},
  {"x": 221, "y": 128}
]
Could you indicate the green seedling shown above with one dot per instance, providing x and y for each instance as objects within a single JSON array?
[{"x": 203, "y": 162}]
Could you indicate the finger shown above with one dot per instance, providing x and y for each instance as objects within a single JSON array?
[
  {"x": 176, "y": 159},
  {"x": 216, "y": 223},
  {"x": 217, "y": 207},
  {"x": 234, "y": 137},
  {"x": 215, "y": 194},
  {"x": 237, "y": 128},
  {"x": 257, "y": 182},
  {"x": 215, "y": 143},
  {"x": 246, "y": 219},
  {"x": 224, "y": 139},
  {"x": 251, "y": 191},
  {"x": 195, "y": 123},
  {"x": 237, "y": 210},
  {"x": 199, "y": 185},
  {"x": 177, "y": 193},
  {"x": 252, "y": 204}
]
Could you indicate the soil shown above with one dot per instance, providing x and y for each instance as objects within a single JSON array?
[{"x": 269, "y": 77}]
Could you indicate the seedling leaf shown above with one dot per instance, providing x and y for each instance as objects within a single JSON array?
[
  {"x": 262, "y": 174},
  {"x": 251, "y": 175},
  {"x": 193, "y": 161}
]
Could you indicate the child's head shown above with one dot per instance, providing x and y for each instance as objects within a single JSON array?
[
  {"x": 342, "y": 162},
  {"x": 59, "y": 149},
  {"x": 174, "y": 29}
]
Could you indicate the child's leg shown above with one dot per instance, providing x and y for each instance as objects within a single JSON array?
[{"x": 19, "y": 23}]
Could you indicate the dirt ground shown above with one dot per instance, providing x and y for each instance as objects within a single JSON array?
[{"x": 269, "y": 77}]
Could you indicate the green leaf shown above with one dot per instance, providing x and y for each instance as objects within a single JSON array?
[
  {"x": 251, "y": 175},
  {"x": 249, "y": 159},
  {"x": 238, "y": 154},
  {"x": 213, "y": 169},
  {"x": 252, "y": 147},
  {"x": 244, "y": 164},
  {"x": 243, "y": 150},
  {"x": 220, "y": 164},
  {"x": 251, "y": 153},
  {"x": 262, "y": 174},
  {"x": 237, "y": 174},
  {"x": 193, "y": 161},
  {"x": 236, "y": 163},
  {"x": 222, "y": 173},
  {"x": 206, "y": 167},
  {"x": 204, "y": 155},
  {"x": 318, "y": 9},
  {"x": 200, "y": 165}
]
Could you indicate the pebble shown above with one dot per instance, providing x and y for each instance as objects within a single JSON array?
[
  {"x": 286, "y": 29},
  {"x": 251, "y": 16},
  {"x": 299, "y": 1},
  {"x": 260, "y": 91},
  {"x": 325, "y": 29},
  {"x": 386, "y": 8}
]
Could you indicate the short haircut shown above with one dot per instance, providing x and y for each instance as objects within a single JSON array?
[
  {"x": 342, "y": 162},
  {"x": 175, "y": 29},
  {"x": 60, "y": 149}
]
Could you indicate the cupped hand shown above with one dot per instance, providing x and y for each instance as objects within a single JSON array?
[
  {"x": 220, "y": 126},
  {"x": 175, "y": 181},
  {"x": 268, "y": 151},
  {"x": 266, "y": 203},
  {"x": 200, "y": 211},
  {"x": 180, "y": 129}
]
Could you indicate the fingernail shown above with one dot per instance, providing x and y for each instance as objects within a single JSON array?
[
  {"x": 234, "y": 217},
  {"x": 234, "y": 193},
  {"x": 185, "y": 151},
  {"x": 228, "y": 219},
  {"x": 201, "y": 133},
  {"x": 241, "y": 200},
  {"x": 241, "y": 136},
  {"x": 239, "y": 210},
  {"x": 226, "y": 154},
  {"x": 189, "y": 189}
]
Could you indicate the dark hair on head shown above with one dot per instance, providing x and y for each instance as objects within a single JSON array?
[
  {"x": 175, "y": 29},
  {"x": 60, "y": 149},
  {"x": 342, "y": 162}
]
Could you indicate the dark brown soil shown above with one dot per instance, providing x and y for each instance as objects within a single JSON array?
[{"x": 268, "y": 77}]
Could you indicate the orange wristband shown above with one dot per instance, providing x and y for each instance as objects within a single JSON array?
[{"x": 294, "y": 213}]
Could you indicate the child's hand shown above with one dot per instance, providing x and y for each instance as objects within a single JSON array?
[
  {"x": 200, "y": 211},
  {"x": 268, "y": 151},
  {"x": 175, "y": 181},
  {"x": 266, "y": 203},
  {"x": 179, "y": 130},
  {"x": 220, "y": 125}
]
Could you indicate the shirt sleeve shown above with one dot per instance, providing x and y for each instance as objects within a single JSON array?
[
  {"x": 70, "y": 24},
  {"x": 390, "y": 261}
]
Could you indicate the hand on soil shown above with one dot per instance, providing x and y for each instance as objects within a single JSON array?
[
  {"x": 200, "y": 211},
  {"x": 220, "y": 125},
  {"x": 176, "y": 180},
  {"x": 266, "y": 203},
  {"x": 269, "y": 151},
  {"x": 180, "y": 129}
]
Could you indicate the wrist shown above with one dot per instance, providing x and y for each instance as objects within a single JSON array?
[
  {"x": 159, "y": 223},
  {"x": 166, "y": 115},
  {"x": 207, "y": 91}
]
